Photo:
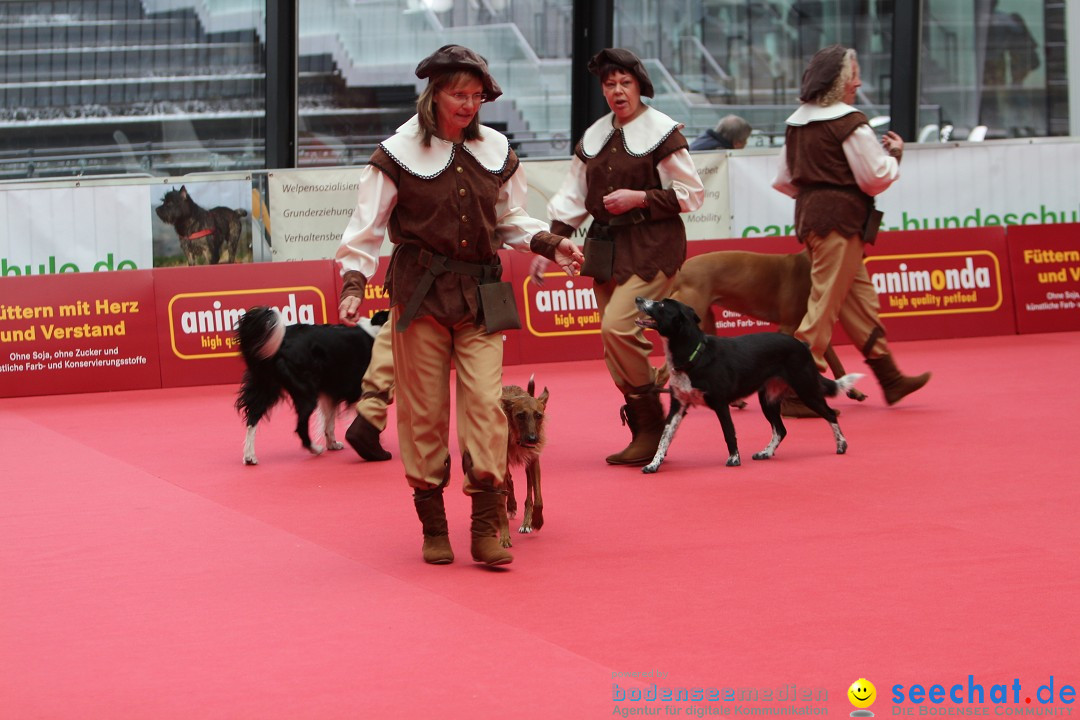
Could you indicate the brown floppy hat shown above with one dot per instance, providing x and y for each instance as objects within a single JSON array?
[
  {"x": 821, "y": 72},
  {"x": 624, "y": 60},
  {"x": 451, "y": 58}
]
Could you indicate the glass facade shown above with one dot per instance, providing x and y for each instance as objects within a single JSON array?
[
  {"x": 172, "y": 86},
  {"x": 130, "y": 86}
]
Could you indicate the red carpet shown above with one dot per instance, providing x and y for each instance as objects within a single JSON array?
[{"x": 146, "y": 572}]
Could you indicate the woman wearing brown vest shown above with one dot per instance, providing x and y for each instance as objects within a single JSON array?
[
  {"x": 450, "y": 193},
  {"x": 833, "y": 164},
  {"x": 632, "y": 173}
]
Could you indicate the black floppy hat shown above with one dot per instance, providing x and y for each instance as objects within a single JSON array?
[
  {"x": 451, "y": 58},
  {"x": 624, "y": 60}
]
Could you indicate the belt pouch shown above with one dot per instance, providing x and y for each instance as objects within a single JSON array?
[
  {"x": 870, "y": 229},
  {"x": 497, "y": 306},
  {"x": 599, "y": 257}
]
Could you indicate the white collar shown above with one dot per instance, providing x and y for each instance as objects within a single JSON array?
[
  {"x": 812, "y": 112},
  {"x": 491, "y": 150},
  {"x": 641, "y": 135}
]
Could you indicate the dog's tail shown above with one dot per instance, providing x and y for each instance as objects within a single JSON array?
[
  {"x": 259, "y": 334},
  {"x": 843, "y": 384}
]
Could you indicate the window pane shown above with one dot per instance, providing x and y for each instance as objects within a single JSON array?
[
  {"x": 357, "y": 60},
  {"x": 118, "y": 86},
  {"x": 747, "y": 56}
]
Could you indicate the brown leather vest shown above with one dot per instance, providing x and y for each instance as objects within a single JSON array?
[
  {"x": 829, "y": 198},
  {"x": 452, "y": 215},
  {"x": 658, "y": 243}
]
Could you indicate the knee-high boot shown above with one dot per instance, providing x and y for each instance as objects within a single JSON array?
[{"x": 644, "y": 414}]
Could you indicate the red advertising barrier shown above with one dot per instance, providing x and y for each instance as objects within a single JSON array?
[
  {"x": 943, "y": 283},
  {"x": 198, "y": 308},
  {"x": 931, "y": 284},
  {"x": 121, "y": 330},
  {"x": 1046, "y": 276},
  {"x": 76, "y": 332},
  {"x": 559, "y": 319}
]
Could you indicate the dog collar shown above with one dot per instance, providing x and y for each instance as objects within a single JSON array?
[
  {"x": 199, "y": 234},
  {"x": 693, "y": 356}
]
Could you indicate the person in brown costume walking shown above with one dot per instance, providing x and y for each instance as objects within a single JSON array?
[
  {"x": 833, "y": 165},
  {"x": 450, "y": 193},
  {"x": 631, "y": 172}
]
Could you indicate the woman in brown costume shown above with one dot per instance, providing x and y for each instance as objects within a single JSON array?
[
  {"x": 451, "y": 193},
  {"x": 633, "y": 174}
]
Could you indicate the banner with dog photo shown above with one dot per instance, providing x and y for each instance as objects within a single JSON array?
[{"x": 197, "y": 221}]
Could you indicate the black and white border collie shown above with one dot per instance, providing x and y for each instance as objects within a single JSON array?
[{"x": 320, "y": 367}]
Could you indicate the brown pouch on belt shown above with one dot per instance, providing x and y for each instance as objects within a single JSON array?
[
  {"x": 599, "y": 258},
  {"x": 870, "y": 229},
  {"x": 497, "y": 306}
]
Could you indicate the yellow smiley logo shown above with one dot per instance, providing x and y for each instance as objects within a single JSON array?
[{"x": 862, "y": 693}]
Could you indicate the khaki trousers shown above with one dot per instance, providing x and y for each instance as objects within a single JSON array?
[
  {"x": 626, "y": 349},
  {"x": 840, "y": 289},
  {"x": 377, "y": 386},
  {"x": 422, "y": 356}
]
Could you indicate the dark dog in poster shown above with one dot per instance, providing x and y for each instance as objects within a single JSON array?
[
  {"x": 525, "y": 441},
  {"x": 207, "y": 237},
  {"x": 716, "y": 371},
  {"x": 319, "y": 367}
]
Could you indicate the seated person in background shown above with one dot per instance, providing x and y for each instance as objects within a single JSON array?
[{"x": 731, "y": 133}]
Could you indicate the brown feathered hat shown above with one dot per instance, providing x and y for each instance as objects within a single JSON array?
[
  {"x": 451, "y": 58},
  {"x": 821, "y": 72},
  {"x": 622, "y": 59}
]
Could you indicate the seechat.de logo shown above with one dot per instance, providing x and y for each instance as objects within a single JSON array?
[{"x": 1015, "y": 698}]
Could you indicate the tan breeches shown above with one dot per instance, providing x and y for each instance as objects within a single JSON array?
[
  {"x": 840, "y": 289},
  {"x": 626, "y": 349},
  {"x": 422, "y": 357},
  {"x": 378, "y": 383}
]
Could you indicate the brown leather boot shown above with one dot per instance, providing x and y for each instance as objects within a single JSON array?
[
  {"x": 486, "y": 547},
  {"x": 432, "y": 513},
  {"x": 644, "y": 414},
  {"x": 895, "y": 384},
  {"x": 364, "y": 439}
]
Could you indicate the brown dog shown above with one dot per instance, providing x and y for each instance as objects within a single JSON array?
[
  {"x": 773, "y": 287},
  {"x": 206, "y": 236},
  {"x": 524, "y": 443}
]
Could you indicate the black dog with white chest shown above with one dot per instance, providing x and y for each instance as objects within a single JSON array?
[
  {"x": 320, "y": 367},
  {"x": 717, "y": 371}
]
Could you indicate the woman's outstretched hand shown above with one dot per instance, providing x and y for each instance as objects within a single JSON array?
[{"x": 568, "y": 257}]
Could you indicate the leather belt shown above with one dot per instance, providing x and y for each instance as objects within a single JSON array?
[{"x": 435, "y": 265}]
